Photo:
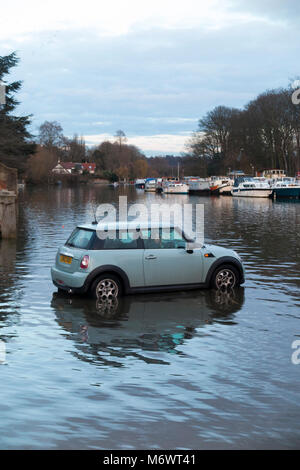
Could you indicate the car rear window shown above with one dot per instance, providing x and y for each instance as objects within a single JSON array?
[{"x": 81, "y": 238}]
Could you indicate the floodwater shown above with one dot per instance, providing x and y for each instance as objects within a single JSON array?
[{"x": 188, "y": 370}]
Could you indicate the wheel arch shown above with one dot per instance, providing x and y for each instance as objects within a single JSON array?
[{"x": 109, "y": 269}]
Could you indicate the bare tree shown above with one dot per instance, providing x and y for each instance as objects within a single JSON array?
[
  {"x": 121, "y": 137},
  {"x": 51, "y": 134},
  {"x": 75, "y": 149}
]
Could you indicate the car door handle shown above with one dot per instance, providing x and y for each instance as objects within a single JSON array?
[{"x": 150, "y": 257}]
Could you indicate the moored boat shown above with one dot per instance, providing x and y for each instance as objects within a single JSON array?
[
  {"x": 150, "y": 185},
  {"x": 140, "y": 183},
  {"x": 251, "y": 187},
  {"x": 198, "y": 185},
  {"x": 175, "y": 187},
  {"x": 286, "y": 188},
  {"x": 221, "y": 185}
]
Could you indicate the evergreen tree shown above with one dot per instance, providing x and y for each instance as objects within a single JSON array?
[{"x": 15, "y": 144}]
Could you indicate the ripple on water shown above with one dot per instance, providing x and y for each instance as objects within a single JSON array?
[{"x": 184, "y": 370}]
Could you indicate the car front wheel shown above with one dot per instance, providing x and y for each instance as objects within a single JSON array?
[
  {"x": 106, "y": 288},
  {"x": 225, "y": 277}
]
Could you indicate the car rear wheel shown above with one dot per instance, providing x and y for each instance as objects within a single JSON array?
[
  {"x": 225, "y": 277},
  {"x": 106, "y": 288}
]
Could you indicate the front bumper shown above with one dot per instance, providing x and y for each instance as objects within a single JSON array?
[{"x": 243, "y": 273}]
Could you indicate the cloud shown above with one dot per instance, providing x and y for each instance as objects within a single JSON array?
[
  {"x": 150, "y": 144},
  {"x": 271, "y": 10},
  {"x": 156, "y": 73},
  {"x": 114, "y": 18}
]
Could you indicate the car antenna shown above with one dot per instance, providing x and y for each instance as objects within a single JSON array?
[{"x": 94, "y": 212}]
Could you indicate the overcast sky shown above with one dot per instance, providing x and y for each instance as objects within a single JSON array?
[{"x": 150, "y": 68}]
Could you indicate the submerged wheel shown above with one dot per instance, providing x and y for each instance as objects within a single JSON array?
[
  {"x": 225, "y": 277},
  {"x": 106, "y": 288}
]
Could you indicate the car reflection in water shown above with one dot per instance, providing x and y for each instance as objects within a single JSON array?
[{"x": 107, "y": 333}]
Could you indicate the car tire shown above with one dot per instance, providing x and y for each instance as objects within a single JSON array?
[
  {"x": 225, "y": 277},
  {"x": 106, "y": 287}
]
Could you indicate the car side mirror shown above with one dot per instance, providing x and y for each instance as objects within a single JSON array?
[{"x": 188, "y": 248}]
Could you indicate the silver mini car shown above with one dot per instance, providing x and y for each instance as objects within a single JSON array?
[{"x": 125, "y": 263}]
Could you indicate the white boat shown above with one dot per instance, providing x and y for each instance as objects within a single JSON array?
[
  {"x": 221, "y": 185},
  {"x": 150, "y": 185},
  {"x": 198, "y": 185},
  {"x": 271, "y": 174},
  {"x": 247, "y": 186},
  {"x": 286, "y": 187},
  {"x": 226, "y": 189},
  {"x": 175, "y": 187}
]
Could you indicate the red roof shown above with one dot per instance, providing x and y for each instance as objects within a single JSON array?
[
  {"x": 88, "y": 166},
  {"x": 67, "y": 165}
]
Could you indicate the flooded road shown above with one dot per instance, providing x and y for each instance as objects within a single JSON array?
[{"x": 189, "y": 370}]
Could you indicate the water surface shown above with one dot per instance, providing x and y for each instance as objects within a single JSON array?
[{"x": 192, "y": 370}]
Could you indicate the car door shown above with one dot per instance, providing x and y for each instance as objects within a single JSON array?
[
  {"x": 123, "y": 251},
  {"x": 167, "y": 262}
]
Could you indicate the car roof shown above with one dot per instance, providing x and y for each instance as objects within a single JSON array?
[{"x": 130, "y": 225}]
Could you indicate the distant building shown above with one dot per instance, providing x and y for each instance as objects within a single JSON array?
[
  {"x": 8, "y": 196},
  {"x": 90, "y": 167},
  {"x": 67, "y": 168},
  {"x": 63, "y": 168},
  {"x": 8, "y": 179}
]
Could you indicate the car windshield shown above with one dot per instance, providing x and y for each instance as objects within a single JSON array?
[{"x": 80, "y": 238}]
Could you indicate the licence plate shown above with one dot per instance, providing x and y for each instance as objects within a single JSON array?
[{"x": 65, "y": 259}]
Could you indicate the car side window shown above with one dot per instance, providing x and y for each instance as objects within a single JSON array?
[
  {"x": 168, "y": 239},
  {"x": 171, "y": 239},
  {"x": 122, "y": 241},
  {"x": 150, "y": 243}
]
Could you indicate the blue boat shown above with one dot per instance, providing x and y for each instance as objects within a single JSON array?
[{"x": 286, "y": 188}]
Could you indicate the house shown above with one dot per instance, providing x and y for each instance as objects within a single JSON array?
[
  {"x": 90, "y": 167},
  {"x": 8, "y": 179},
  {"x": 67, "y": 168},
  {"x": 63, "y": 168}
]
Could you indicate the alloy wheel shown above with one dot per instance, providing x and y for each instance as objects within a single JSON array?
[
  {"x": 107, "y": 289},
  {"x": 225, "y": 279}
]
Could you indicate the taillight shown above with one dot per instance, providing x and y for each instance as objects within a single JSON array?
[{"x": 85, "y": 262}]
